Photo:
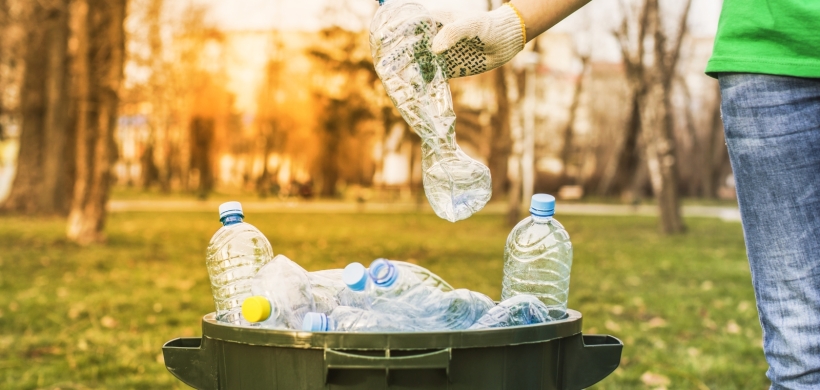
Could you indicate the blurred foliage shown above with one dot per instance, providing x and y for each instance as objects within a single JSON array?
[{"x": 96, "y": 317}]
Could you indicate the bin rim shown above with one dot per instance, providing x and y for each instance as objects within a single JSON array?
[{"x": 527, "y": 334}]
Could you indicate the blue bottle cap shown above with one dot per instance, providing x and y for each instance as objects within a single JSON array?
[
  {"x": 383, "y": 272},
  {"x": 355, "y": 276},
  {"x": 542, "y": 205},
  {"x": 315, "y": 322}
]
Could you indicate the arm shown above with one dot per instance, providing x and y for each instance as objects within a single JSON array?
[
  {"x": 474, "y": 43},
  {"x": 541, "y": 15}
]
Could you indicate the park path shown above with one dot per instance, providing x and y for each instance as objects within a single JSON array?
[{"x": 725, "y": 213}]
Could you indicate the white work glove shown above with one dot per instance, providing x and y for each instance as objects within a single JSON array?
[{"x": 474, "y": 43}]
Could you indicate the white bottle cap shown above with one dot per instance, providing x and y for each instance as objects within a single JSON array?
[{"x": 230, "y": 208}]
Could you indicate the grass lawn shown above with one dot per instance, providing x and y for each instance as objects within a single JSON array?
[{"x": 87, "y": 318}]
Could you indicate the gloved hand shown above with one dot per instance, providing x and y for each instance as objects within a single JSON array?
[{"x": 474, "y": 43}]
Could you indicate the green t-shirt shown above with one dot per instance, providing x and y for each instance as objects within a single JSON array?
[{"x": 780, "y": 37}]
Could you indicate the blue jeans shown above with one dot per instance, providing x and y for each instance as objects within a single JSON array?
[{"x": 772, "y": 126}]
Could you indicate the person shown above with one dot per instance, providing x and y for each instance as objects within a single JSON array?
[{"x": 767, "y": 59}]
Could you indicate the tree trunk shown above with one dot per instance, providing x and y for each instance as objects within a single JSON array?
[
  {"x": 501, "y": 145},
  {"x": 650, "y": 79},
  {"x": 620, "y": 179},
  {"x": 516, "y": 138},
  {"x": 3, "y": 28},
  {"x": 566, "y": 149},
  {"x": 660, "y": 154},
  {"x": 40, "y": 185},
  {"x": 202, "y": 135},
  {"x": 57, "y": 187},
  {"x": 716, "y": 155},
  {"x": 98, "y": 26},
  {"x": 332, "y": 138}
]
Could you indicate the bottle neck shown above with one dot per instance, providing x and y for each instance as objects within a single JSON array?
[
  {"x": 231, "y": 219},
  {"x": 541, "y": 218},
  {"x": 383, "y": 273}
]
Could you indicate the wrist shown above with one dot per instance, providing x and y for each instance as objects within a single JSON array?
[
  {"x": 521, "y": 21},
  {"x": 510, "y": 30}
]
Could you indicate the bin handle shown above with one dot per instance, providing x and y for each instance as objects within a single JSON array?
[
  {"x": 191, "y": 360},
  {"x": 351, "y": 361},
  {"x": 587, "y": 359}
]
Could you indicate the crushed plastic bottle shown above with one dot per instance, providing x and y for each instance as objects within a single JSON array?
[
  {"x": 538, "y": 258},
  {"x": 396, "y": 290},
  {"x": 326, "y": 285},
  {"x": 351, "y": 319},
  {"x": 356, "y": 280},
  {"x": 518, "y": 310},
  {"x": 236, "y": 251},
  {"x": 282, "y": 295},
  {"x": 401, "y": 35}
]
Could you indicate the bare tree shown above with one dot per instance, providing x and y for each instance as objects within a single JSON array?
[
  {"x": 651, "y": 55},
  {"x": 98, "y": 67},
  {"x": 4, "y": 25},
  {"x": 568, "y": 133},
  {"x": 41, "y": 185}
]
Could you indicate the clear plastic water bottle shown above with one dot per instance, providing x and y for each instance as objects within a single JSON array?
[
  {"x": 396, "y": 290},
  {"x": 351, "y": 319},
  {"x": 326, "y": 285},
  {"x": 235, "y": 253},
  {"x": 518, "y": 310},
  {"x": 356, "y": 279},
  {"x": 538, "y": 258},
  {"x": 354, "y": 295},
  {"x": 401, "y": 36},
  {"x": 282, "y": 295}
]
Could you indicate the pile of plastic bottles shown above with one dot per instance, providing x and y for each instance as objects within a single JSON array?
[{"x": 251, "y": 287}]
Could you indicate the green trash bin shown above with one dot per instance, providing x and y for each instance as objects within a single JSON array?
[{"x": 551, "y": 356}]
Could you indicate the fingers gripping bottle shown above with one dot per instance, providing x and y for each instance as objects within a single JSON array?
[
  {"x": 236, "y": 251},
  {"x": 538, "y": 258},
  {"x": 401, "y": 36}
]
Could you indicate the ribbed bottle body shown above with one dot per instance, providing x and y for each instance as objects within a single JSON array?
[
  {"x": 234, "y": 255},
  {"x": 538, "y": 261}
]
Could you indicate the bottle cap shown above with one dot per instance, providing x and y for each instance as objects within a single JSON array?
[
  {"x": 542, "y": 205},
  {"x": 230, "y": 208},
  {"x": 383, "y": 272},
  {"x": 256, "y": 309},
  {"x": 315, "y": 322},
  {"x": 355, "y": 276}
]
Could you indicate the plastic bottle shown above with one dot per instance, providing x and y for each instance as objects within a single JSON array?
[
  {"x": 326, "y": 286},
  {"x": 351, "y": 319},
  {"x": 236, "y": 251},
  {"x": 538, "y": 258},
  {"x": 396, "y": 290},
  {"x": 355, "y": 278},
  {"x": 518, "y": 310},
  {"x": 354, "y": 295},
  {"x": 282, "y": 295},
  {"x": 401, "y": 35}
]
